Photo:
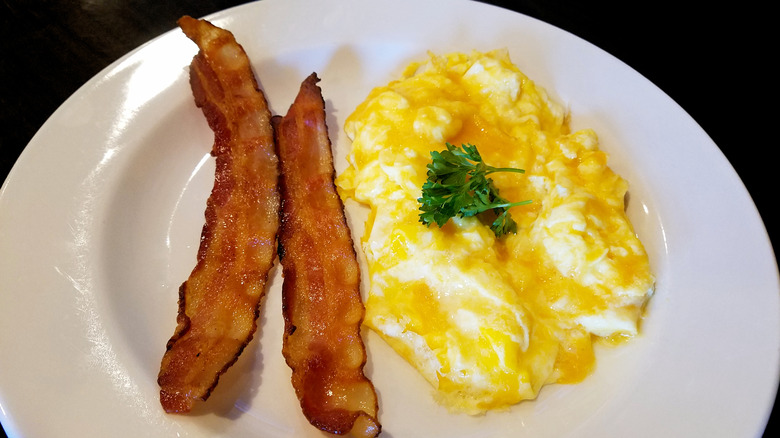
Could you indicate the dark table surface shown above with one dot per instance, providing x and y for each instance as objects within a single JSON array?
[{"x": 713, "y": 62}]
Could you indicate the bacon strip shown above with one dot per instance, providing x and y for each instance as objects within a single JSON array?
[
  {"x": 322, "y": 306},
  {"x": 220, "y": 301}
]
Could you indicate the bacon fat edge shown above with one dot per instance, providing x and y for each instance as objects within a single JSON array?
[
  {"x": 322, "y": 306},
  {"x": 220, "y": 301}
]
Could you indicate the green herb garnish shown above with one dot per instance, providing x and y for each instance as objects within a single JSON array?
[{"x": 458, "y": 185}]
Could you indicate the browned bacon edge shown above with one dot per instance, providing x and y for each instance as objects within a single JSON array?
[
  {"x": 322, "y": 306},
  {"x": 219, "y": 303}
]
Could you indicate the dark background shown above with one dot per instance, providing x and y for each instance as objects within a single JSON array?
[{"x": 712, "y": 61}]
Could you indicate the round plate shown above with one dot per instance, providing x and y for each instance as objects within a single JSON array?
[{"x": 100, "y": 221}]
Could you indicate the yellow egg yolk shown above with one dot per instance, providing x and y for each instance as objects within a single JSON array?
[{"x": 488, "y": 321}]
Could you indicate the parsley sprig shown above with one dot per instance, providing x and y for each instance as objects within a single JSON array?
[{"x": 458, "y": 185}]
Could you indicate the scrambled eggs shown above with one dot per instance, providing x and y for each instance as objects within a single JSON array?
[{"x": 488, "y": 321}]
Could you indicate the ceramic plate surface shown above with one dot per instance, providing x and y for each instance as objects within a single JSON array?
[{"x": 101, "y": 216}]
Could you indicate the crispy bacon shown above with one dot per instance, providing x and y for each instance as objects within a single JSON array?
[
  {"x": 322, "y": 306},
  {"x": 219, "y": 303}
]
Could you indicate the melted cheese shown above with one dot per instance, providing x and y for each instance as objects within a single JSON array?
[{"x": 489, "y": 321}]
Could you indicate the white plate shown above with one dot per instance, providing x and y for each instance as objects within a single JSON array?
[{"x": 100, "y": 220}]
